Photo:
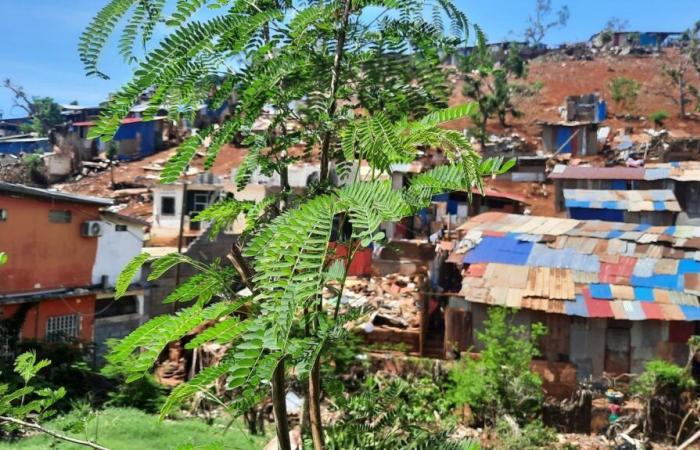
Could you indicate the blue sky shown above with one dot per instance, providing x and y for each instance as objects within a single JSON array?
[{"x": 40, "y": 38}]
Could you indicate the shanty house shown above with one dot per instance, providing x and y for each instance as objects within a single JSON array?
[
  {"x": 51, "y": 240},
  {"x": 651, "y": 207},
  {"x": 683, "y": 178},
  {"x": 576, "y": 138},
  {"x": 15, "y": 145},
  {"x": 135, "y": 138},
  {"x": 613, "y": 295}
]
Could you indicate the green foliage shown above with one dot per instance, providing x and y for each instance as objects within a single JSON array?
[
  {"x": 500, "y": 381},
  {"x": 289, "y": 58},
  {"x": 3, "y": 258},
  {"x": 624, "y": 92},
  {"x": 392, "y": 413},
  {"x": 28, "y": 402},
  {"x": 489, "y": 83},
  {"x": 533, "y": 436},
  {"x": 661, "y": 374},
  {"x": 46, "y": 115},
  {"x": 152, "y": 337},
  {"x": 223, "y": 214},
  {"x": 128, "y": 273},
  {"x": 659, "y": 117},
  {"x": 144, "y": 394}
]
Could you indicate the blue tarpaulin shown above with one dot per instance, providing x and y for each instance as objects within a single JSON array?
[{"x": 506, "y": 250}]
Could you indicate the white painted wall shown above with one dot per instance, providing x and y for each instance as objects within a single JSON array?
[
  {"x": 167, "y": 221},
  {"x": 115, "y": 249}
]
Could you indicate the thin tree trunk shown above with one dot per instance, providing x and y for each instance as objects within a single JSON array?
[
  {"x": 315, "y": 405},
  {"x": 279, "y": 406},
  {"x": 335, "y": 80},
  {"x": 681, "y": 88}
]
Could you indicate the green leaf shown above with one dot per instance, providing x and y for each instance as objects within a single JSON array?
[
  {"x": 128, "y": 273},
  {"x": 3, "y": 258}
]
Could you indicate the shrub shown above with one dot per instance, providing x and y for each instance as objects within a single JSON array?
[
  {"x": 535, "y": 435},
  {"x": 501, "y": 381},
  {"x": 661, "y": 374},
  {"x": 658, "y": 117},
  {"x": 144, "y": 394},
  {"x": 389, "y": 414},
  {"x": 624, "y": 92}
]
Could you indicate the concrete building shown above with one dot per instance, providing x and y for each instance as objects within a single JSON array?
[{"x": 51, "y": 246}]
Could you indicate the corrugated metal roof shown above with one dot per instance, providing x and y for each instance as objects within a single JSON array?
[
  {"x": 679, "y": 171},
  {"x": 578, "y": 275},
  {"x": 596, "y": 173},
  {"x": 633, "y": 201},
  {"x": 20, "y": 189}
]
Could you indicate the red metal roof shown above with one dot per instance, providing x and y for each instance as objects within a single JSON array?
[
  {"x": 599, "y": 173},
  {"x": 126, "y": 121},
  {"x": 490, "y": 192}
]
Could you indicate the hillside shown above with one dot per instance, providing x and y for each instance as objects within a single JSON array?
[{"x": 562, "y": 76}]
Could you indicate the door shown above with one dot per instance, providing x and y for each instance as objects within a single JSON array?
[{"x": 617, "y": 350}]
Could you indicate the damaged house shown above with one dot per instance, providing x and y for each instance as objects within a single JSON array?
[
  {"x": 613, "y": 295},
  {"x": 575, "y": 138}
]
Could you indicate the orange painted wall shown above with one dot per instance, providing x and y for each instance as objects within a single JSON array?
[
  {"x": 44, "y": 255},
  {"x": 34, "y": 327},
  {"x": 361, "y": 264}
]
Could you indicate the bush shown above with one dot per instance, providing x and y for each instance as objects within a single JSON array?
[
  {"x": 501, "y": 381},
  {"x": 624, "y": 92},
  {"x": 533, "y": 436},
  {"x": 659, "y": 117},
  {"x": 661, "y": 374},
  {"x": 390, "y": 414},
  {"x": 144, "y": 394}
]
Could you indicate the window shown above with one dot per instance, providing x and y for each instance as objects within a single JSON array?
[
  {"x": 59, "y": 216},
  {"x": 62, "y": 328},
  {"x": 167, "y": 206},
  {"x": 200, "y": 201},
  {"x": 120, "y": 228},
  {"x": 109, "y": 307}
]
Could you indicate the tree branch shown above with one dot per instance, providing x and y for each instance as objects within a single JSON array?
[
  {"x": 37, "y": 427},
  {"x": 335, "y": 81}
]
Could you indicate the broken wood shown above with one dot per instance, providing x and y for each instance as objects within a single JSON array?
[{"x": 690, "y": 441}]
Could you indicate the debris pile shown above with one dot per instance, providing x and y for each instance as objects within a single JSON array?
[{"x": 394, "y": 300}]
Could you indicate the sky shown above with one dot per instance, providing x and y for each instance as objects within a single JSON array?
[{"x": 40, "y": 38}]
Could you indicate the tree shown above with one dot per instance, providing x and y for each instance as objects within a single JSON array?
[
  {"x": 688, "y": 58},
  {"x": 624, "y": 92},
  {"x": 311, "y": 64},
  {"x": 616, "y": 24},
  {"x": 486, "y": 82},
  {"x": 540, "y": 23},
  {"x": 44, "y": 111},
  {"x": 501, "y": 381}
]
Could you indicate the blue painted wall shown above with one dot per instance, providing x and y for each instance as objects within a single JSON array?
[
  {"x": 132, "y": 130},
  {"x": 563, "y": 134},
  {"x": 15, "y": 148},
  {"x": 608, "y": 215}
]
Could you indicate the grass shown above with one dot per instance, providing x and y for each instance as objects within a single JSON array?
[{"x": 128, "y": 429}]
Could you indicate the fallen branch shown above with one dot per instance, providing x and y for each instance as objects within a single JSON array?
[
  {"x": 690, "y": 440},
  {"x": 38, "y": 427}
]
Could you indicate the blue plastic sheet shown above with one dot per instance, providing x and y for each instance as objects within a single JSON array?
[
  {"x": 505, "y": 250},
  {"x": 600, "y": 291}
]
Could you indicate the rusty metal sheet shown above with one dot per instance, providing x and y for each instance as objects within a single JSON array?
[
  {"x": 621, "y": 292},
  {"x": 672, "y": 312},
  {"x": 666, "y": 266}
]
